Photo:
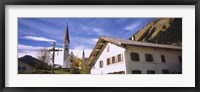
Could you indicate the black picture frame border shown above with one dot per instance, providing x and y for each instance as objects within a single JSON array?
[{"x": 3, "y": 3}]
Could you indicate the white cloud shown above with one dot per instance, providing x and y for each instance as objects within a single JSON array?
[
  {"x": 94, "y": 30},
  {"x": 78, "y": 51},
  {"x": 27, "y": 47},
  {"x": 59, "y": 57},
  {"x": 80, "y": 40},
  {"x": 48, "y": 30},
  {"x": 98, "y": 31},
  {"x": 28, "y": 50},
  {"x": 59, "y": 44},
  {"x": 38, "y": 38},
  {"x": 95, "y": 40},
  {"x": 33, "y": 51},
  {"x": 132, "y": 26}
]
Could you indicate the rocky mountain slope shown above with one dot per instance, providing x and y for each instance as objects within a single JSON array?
[{"x": 162, "y": 31}]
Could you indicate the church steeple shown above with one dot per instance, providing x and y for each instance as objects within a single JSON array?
[
  {"x": 67, "y": 35},
  {"x": 83, "y": 54},
  {"x": 83, "y": 57},
  {"x": 66, "y": 60}
]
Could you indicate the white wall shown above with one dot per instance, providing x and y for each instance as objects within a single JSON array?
[
  {"x": 171, "y": 57},
  {"x": 114, "y": 51},
  {"x": 28, "y": 67},
  {"x": 67, "y": 62}
]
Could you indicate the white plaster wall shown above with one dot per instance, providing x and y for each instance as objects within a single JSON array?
[
  {"x": 28, "y": 67},
  {"x": 114, "y": 51},
  {"x": 171, "y": 57},
  {"x": 67, "y": 62},
  {"x": 66, "y": 57}
]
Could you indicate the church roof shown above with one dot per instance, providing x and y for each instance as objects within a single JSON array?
[
  {"x": 67, "y": 34},
  {"x": 123, "y": 43}
]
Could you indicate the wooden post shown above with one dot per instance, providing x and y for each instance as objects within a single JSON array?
[{"x": 53, "y": 56}]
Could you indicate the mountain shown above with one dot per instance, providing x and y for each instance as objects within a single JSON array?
[
  {"x": 34, "y": 62},
  {"x": 162, "y": 31}
]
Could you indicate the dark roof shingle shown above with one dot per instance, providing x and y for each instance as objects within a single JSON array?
[{"x": 137, "y": 43}]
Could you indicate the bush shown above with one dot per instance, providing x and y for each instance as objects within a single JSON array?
[{"x": 75, "y": 71}]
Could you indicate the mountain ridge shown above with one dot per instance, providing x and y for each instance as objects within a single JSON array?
[
  {"x": 34, "y": 62},
  {"x": 161, "y": 31}
]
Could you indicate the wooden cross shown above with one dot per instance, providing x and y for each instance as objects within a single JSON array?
[{"x": 53, "y": 56}]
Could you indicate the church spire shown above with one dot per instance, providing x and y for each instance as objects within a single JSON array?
[
  {"x": 67, "y": 35},
  {"x": 66, "y": 60},
  {"x": 83, "y": 54}
]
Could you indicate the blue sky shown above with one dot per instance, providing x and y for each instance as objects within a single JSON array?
[{"x": 34, "y": 33}]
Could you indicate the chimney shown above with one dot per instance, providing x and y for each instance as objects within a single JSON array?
[{"x": 132, "y": 38}]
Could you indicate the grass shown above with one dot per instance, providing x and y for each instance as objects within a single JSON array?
[
  {"x": 61, "y": 71},
  {"x": 57, "y": 71}
]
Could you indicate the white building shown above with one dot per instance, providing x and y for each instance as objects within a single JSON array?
[
  {"x": 119, "y": 56},
  {"x": 24, "y": 67}
]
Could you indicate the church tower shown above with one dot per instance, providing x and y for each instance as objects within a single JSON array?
[
  {"x": 83, "y": 56},
  {"x": 66, "y": 62}
]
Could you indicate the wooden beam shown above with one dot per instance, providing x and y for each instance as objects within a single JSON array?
[
  {"x": 93, "y": 56},
  {"x": 98, "y": 49},
  {"x": 101, "y": 43}
]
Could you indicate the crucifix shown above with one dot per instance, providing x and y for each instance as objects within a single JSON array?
[{"x": 53, "y": 56}]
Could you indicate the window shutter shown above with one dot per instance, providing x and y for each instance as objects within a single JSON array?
[{"x": 121, "y": 57}]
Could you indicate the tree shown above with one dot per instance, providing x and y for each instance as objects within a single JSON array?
[
  {"x": 78, "y": 66},
  {"x": 44, "y": 56},
  {"x": 41, "y": 65},
  {"x": 77, "y": 62},
  {"x": 84, "y": 69}
]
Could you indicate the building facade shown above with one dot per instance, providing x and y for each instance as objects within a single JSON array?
[
  {"x": 119, "y": 56},
  {"x": 109, "y": 61},
  {"x": 148, "y": 60},
  {"x": 24, "y": 67}
]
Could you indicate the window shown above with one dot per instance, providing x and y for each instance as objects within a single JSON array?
[
  {"x": 101, "y": 64},
  {"x": 66, "y": 47},
  {"x": 24, "y": 68},
  {"x": 108, "y": 49},
  {"x": 165, "y": 71},
  {"x": 151, "y": 72},
  {"x": 135, "y": 56},
  {"x": 119, "y": 57},
  {"x": 149, "y": 57},
  {"x": 163, "y": 58},
  {"x": 113, "y": 59},
  {"x": 180, "y": 59},
  {"x": 136, "y": 72},
  {"x": 108, "y": 61}
]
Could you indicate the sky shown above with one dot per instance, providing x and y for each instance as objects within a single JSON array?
[{"x": 38, "y": 33}]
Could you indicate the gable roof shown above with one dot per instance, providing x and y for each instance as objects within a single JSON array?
[{"x": 123, "y": 43}]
